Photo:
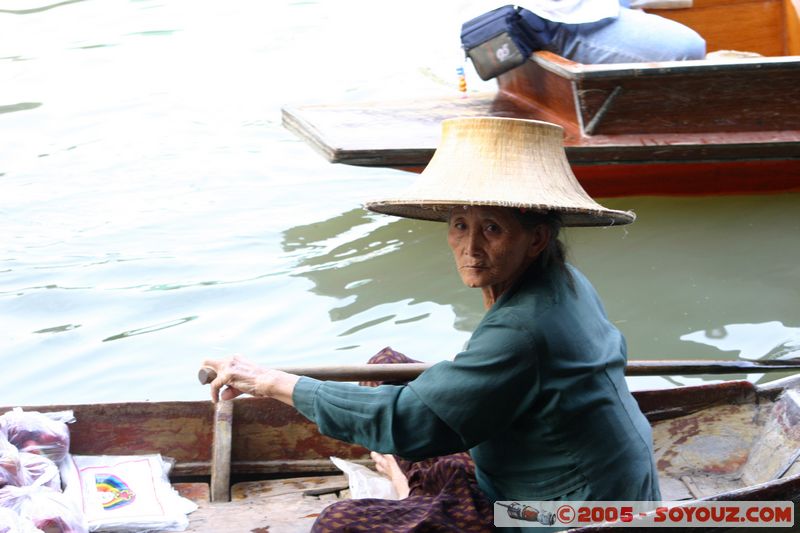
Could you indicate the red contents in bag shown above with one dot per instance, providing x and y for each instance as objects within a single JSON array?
[
  {"x": 34, "y": 432},
  {"x": 10, "y": 468},
  {"x": 49, "y": 510}
]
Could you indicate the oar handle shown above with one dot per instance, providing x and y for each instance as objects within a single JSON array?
[
  {"x": 379, "y": 372},
  {"x": 206, "y": 375},
  {"x": 409, "y": 371}
]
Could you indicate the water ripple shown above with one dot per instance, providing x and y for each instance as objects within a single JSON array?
[{"x": 150, "y": 329}]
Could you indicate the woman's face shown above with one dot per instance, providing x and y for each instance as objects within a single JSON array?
[{"x": 491, "y": 247}]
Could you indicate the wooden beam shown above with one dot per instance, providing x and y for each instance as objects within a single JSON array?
[{"x": 221, "y": 455}]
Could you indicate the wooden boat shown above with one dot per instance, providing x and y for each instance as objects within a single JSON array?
[
  {"x": 726, "y": 441},
  {"x": 724, "y": 125}
]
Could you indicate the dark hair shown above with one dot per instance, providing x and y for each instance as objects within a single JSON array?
[{"x": 554, "y": 255}]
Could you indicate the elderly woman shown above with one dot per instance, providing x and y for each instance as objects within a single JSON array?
[{"x": 538, "y": 396}]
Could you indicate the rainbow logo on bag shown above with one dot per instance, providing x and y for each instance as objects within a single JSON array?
[{"x": 113, "y": 492}]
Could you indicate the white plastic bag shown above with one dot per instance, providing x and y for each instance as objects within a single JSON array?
[
  {"x": 40, "y": 433},
  {"x": 38, "y": 470},
  {"x": 10, "y": 467},
  {"x": 48, "y": 509},
  {"x": 365, "y": 483},
  {"x": 125, "y": 493},
  {"x": 11, "y": 522}
]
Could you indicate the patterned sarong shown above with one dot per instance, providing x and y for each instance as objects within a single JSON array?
[{"x": 444, "y": 494}]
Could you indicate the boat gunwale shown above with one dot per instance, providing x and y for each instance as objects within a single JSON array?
[
  {"x": 766, "y": 391},
  {"x": 574, "y": 71}
]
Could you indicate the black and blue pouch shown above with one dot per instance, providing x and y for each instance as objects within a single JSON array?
[{"x": 503, "y": 39}]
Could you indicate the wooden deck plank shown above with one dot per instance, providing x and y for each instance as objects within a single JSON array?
[{"x": 274, "y": 506}]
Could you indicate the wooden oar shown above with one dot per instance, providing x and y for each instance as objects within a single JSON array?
[
  {"x": 693, "y": 366},
  {"x": 406, "y": 372}
]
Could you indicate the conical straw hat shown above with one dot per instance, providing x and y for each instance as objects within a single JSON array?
[{"x": 500, "y": 162}]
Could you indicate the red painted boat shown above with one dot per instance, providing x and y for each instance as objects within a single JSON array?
[{"x": 727, "y": 124}]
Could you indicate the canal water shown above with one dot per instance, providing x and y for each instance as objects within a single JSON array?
[{"x": 154, "y": 212}]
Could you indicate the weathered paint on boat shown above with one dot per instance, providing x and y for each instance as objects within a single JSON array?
[{"x": 727, "y": 441}]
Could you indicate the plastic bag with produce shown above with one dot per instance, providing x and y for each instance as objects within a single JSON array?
[
  {"x": 10, "y": 468},
  {"x": 38, "y": 470},
  {"x": 48, "y": 509},
  {"x": 41, "y": 433},
  {"x": 11, "y": 522}
]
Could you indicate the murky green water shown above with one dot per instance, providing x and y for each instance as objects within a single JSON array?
[{"x": 154, "y": 212}]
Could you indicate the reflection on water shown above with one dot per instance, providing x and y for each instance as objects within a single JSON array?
[
  {"x": 768, "y": 340},
  {"x": 150, "y": 329},
  {"x": 58, "y": 329},
  {"x": 692, "y": 264},
  {"x": 22, "y": 106},
  {"x": 366, "y": 260},
  {"x": 39, "y": 9}
]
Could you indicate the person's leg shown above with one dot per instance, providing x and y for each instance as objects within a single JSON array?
[
  {"x": 385, "y": 357},
  {"x": 437, "y": 494},
  {"x": 414, "y": 477},
  {"x": 635, "y": 36},
  {"x": 447, "y": 498}
]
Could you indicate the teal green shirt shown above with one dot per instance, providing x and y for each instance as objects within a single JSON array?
[{"x": 538, "y": 397}]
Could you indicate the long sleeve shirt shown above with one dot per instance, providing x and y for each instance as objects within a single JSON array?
[{"x": 538, "y": 397}]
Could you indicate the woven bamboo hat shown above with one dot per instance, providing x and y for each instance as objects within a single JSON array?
[{"x": 500, "y": 162}]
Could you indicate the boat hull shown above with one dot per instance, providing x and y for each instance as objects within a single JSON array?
[{"x": 731, "y": 441}]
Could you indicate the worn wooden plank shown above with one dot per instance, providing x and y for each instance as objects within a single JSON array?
[
  {"x": 695, "y": 67},
  {"x": 297, "y": 485},
  {"x": 355, "y": 132},
  {"x": 758, "y": 99},
  {"x": 221, "y": 452},
  {"x": 297, "y": 466},
  {"x": 277, "y": 507},
  {"x": 406, "y": 133},
  {"x": 731, "y": 95}
]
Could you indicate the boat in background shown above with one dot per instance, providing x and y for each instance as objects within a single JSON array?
[
  {"x": 726, "y": 441},
  {"x": 726, "y": 124}
]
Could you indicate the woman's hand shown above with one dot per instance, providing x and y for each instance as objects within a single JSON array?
[{"x": 239, "y": 376}]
